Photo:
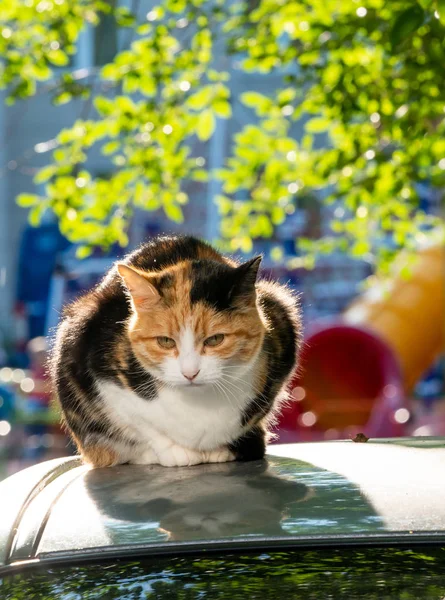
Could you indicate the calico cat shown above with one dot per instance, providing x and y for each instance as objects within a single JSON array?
[{"x": 178, "y": 357}]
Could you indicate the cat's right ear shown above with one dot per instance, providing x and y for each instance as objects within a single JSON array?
[{"x": 143, "y": 293}]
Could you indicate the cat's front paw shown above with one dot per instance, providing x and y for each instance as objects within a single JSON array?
[
  {"x": 220, "y": 455},
  {"x": 178, "y": 456},
  {"x": 145, "y": 457}
]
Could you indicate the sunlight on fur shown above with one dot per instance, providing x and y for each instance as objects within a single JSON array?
[{"x": 179, "y": 356}]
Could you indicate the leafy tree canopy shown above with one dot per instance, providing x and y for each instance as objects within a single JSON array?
[{"x": 362, "y": 78}]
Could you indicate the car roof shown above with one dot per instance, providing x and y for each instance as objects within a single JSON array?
[{"x": 388, "y": 491}]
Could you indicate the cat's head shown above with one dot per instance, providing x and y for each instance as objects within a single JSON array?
[{"x": 195, "y": 322}]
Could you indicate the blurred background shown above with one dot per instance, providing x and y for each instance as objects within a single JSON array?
[{"x": 263, "y": 129}]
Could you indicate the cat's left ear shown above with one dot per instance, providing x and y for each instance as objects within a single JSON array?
[
  {"x": 248, "y": 271},
  {"x": 246, "y": 275},
  {"x": 143, "y": 293}
]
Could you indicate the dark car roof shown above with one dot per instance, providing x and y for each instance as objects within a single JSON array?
[{"x": 303, "y": 494}]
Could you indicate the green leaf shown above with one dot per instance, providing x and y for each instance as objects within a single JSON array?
[
  {"x": 59, "y": 155},
  {"x": 124, "y": 17},
  {"x": 206, "y": 125},
  {"x": 201, "y": 98},
  {"x": 58, "y": 58},
  {"x": 148, "y": 86},
  {"x": 27, "y": 200},
  {"x": 62, "y": 98},
  {"x": 255, "y": 100},
  {"x": 144, "y": 29},
  {"x": 35, "y": 214},
  {"x": 277, "y": 254},
  {"x": 83, "y": 252},
  {"x": 332, "y": 73},
  {"x": 176, "y": 6},
  {"x": 224, "y": 204},
  {"x": 104, "y": 106},
  {"x": 125, "y": 104},
  {"x": 286, "y": 96},
  {"x": 406, "y": 23},
  {"x": 245, "y": 243},
  {"x": 174, "y": 213},
  {"x": 222, "y": 109},
  {"x": 110, "y": 148},
  {"x": 317, "y": 125},
  {"x": 217, "y": 75},
  {"x": 45, "y": 174},
  {"x": 156, "y": 14},
  {"x": 278, "y": 215},
  {"x": 200, "y": 175},
  {"x": 111, "y": 72}
]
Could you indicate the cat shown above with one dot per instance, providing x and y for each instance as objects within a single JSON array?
[{"x": 178, "y": 357}]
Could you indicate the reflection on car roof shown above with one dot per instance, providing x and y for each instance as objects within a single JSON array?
[{"x": 320, "y": 493}]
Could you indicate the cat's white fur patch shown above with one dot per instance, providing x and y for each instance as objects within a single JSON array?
[
  {"x": 190, "y": 361},
  {"x": 182, "y": 421}
]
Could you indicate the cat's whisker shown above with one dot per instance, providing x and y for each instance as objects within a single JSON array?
[
  {"x": 232, "y": 377},
  {"x": 234, "y": 380},
  {"x": 230, "y": 385},
  {"x": 255, "y": 400},
  {"x": 233, "y": 395},
  {"x": 223, "y": 391}
]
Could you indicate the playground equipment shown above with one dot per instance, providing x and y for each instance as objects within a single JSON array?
[
  {"x": 408, "y": 313},
  {"x": 349, "y": 381},
  {"x": 355, "y": 373}
]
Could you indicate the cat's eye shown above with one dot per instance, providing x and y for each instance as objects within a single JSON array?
[
  {"x": 166, "y": 342},
  {"x": 214, "y": 340}
]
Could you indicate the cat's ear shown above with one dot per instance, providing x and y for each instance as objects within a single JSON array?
[
  {"x": 249, "y": 270},
  {"x": 245, "y": 278},
  {"x": 143, "y": 293}
]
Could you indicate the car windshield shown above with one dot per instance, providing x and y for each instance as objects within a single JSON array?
[{"x": 371, "y": 573}]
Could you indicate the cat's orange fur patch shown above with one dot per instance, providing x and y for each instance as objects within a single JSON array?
[
  {"x": 120, "y": 356},
  {"x": 244, "y": 331},
  {"x": 99, "y": 456}
]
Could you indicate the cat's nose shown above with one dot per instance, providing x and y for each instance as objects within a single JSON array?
[{"x": 190, "y": 375}]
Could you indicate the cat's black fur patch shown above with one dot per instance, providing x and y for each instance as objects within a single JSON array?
[
  {"x": 212, "y": 283},
  {"x": 164, "y": 252},
  {"x": 221, "y": 285},
  {"x": 139, "y": 381},
  {"x": 279, "y": 345},
  {"x": 251, "y": 446}
]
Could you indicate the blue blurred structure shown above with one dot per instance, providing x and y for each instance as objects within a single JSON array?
[
  {"x": 39, "y": 252},
  {"x": 6, "y": 403}
]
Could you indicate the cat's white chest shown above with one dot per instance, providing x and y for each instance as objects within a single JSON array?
[{"x": 201, "y": 418}]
